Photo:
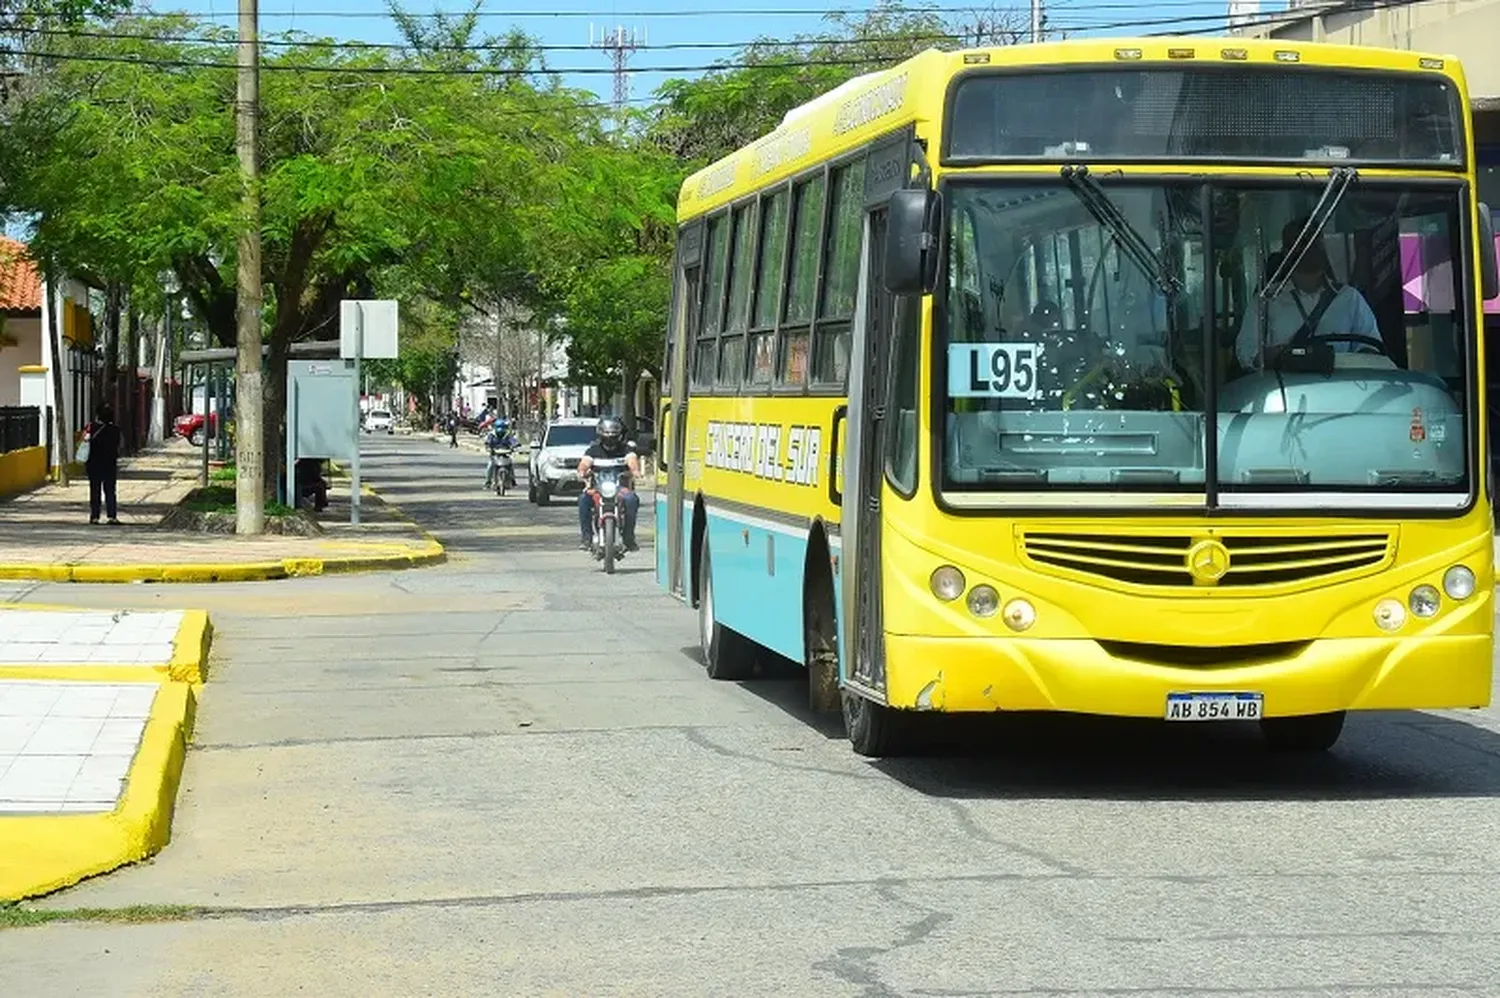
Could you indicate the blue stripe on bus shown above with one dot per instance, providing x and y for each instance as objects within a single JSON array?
[{"x": 750, "y": 597}]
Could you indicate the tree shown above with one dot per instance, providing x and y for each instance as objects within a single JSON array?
[
  {"x": 703, "y": 119},
  {"x": 617, "y": 317},
  {"x": 366, "y": 180}
]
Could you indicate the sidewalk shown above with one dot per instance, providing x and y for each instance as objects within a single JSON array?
[
  {"x": 45, "y": 534},
  {"x": 96, "y": 710}
]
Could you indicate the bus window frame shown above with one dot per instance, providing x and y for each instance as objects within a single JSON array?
[
  {"x": 1462, "y": 167},
  {"x": 748, "y": 384},
  {"x": 775, "y": 387},
  {"x": 784, "y": 328},
  {"x": 703, "y": 386},
  {"x": 1467, "y": 290},
  {"x": 750, "y": 207}
]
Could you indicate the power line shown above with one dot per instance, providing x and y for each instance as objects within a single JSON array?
[
  {"x": 357, "y": 70},
  {"x": 674, "y": 13},
  {"x": 1218, "y": 22}
]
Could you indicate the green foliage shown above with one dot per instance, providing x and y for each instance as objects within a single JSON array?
[
  {"x": 617, "y": 311},
  {"x": 450, "y": 192},
  {"x": 703, "y": 119}
]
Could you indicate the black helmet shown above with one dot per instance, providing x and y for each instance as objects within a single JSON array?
[{"x": 611, "y": 432}]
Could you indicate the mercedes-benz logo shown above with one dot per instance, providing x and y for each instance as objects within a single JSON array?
[{"x": 1207, "y": 561}]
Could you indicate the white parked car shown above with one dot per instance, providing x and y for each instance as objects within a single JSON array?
[
  {"x": 554, "y": 459},
  {"x": 380, "y": 420}
]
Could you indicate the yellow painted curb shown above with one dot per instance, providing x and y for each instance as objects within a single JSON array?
[
  {"x": 255, "y": 571},
  {"x": 190, "y": 648},
  {"x": 188, "y": 664},
  {"x": 43, "y": 853}
]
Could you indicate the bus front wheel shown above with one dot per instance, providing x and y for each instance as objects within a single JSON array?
[
  {"x": 876, "y": 730},
  {"x": 1309, "y": 733}
]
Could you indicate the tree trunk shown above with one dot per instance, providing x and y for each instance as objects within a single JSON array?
[
  {"x": 628, "y": 385},
  {"x": 132, "y": 373},
  {"x": 113, "y": 300},
  {"x": 272, "y": 443},
  {"x": 59, "y": 360}
]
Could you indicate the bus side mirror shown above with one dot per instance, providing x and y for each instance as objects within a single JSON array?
[
  {"x": 1489, "y": 272},
  {"x": 911, "y": 242}
]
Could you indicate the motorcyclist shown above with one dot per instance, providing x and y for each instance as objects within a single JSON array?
[
  {"x": 498, "y": 438},
  {"x": 609, "y": 444}
]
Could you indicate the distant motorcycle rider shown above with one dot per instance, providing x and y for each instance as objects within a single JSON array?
[
  {"x": 499, "y": 438},
  {"x": 609, "y": 445}
]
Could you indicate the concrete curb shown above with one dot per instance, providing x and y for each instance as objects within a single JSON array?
[
  {"x": 254, "y": 571},
  {"x": 44, "y": 853},
  {"x": 188, "y": 664},
  {"x": 393, "y": 558}
]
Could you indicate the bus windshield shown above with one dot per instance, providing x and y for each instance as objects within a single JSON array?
[{"x": 1077, "y": 360}]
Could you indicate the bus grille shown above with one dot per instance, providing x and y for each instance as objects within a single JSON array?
[{"x": 1252, "y": 560}]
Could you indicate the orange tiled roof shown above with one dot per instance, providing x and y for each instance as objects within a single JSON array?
[{"x": 20, "y": 282}]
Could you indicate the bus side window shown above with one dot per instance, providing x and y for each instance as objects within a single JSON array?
[
  {"x": 807, "y": 220},
  {"x": 732, "y": 345},
  {"x": 770, "y": 256},
  {"x": 901, "y": 426},
  {"x": 840, "y": 275},
  {"x": 705, "y": 353}
]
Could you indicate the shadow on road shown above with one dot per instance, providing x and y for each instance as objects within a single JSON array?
[
  {"x": 1405, "y": 754},
  {"x": 1386, "y": 755},
  {"x": 1394, "y": 755}
]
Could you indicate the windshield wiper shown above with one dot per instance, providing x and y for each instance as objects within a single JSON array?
[
  {"x": 1339, "y": 179},
  {"x": 1129, "y": 238}
]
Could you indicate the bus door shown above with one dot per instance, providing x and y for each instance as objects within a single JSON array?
[
  {"x": 863, "y": 477},
  {"x": 861, "y": 633},
  {"x": 682, "y": 331}
]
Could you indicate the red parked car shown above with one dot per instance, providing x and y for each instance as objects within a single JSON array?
[{"x": 190, "y": 425}]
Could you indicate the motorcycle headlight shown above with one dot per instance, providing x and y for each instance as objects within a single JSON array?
[{"x": 608, "y": 487}]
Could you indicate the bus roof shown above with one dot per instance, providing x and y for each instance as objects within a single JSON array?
[{"x": 875, "y": 103}]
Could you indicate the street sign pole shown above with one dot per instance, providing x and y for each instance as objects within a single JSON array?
[
  {"x": 359, "y": 356},
  {"x": 290, "y": 496}
]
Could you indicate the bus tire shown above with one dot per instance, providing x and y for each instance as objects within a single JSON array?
[
  {"x": 1308, "y": 733},
  {"x": 726, "y": 653},
  {"x": 875, "y": 730}
]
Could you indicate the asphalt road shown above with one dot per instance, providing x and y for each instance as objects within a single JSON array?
[{"x": 508, "y": 776}]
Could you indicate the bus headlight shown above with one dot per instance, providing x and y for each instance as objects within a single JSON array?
[
  {"x": 1458, "y": 582},
  {"x": 947, "y": 583},
  {"x": 1019, "y": 615},
  {"x": 1390, "y": 614},
  {"x": 983, "y": 601},
  {"x": 1424, "y": 601}
]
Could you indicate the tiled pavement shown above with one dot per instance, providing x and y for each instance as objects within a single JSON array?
[
  {"x": 90, "y": 637},
  {"x": 67, "y": 747}
]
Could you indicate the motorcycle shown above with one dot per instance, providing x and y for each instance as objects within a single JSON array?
[
  {"x": 608, "y": 479},
  {"x": 502, "y": 470}
]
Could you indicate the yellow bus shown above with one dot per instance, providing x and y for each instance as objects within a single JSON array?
[{"x": 1136, "y": 378}]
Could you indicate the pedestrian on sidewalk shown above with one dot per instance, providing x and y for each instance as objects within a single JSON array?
[
  {"x": 103, "y": 462},
  {"x": 452, "y": 429}
]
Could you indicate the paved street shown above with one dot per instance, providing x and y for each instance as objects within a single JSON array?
[{"x": 507, "y": 775}]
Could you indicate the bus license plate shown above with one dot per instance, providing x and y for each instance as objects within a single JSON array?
[{"x": 1215, "y": 706}]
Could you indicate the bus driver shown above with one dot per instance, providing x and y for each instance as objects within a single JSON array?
[{"x": 1310, "y": 298}]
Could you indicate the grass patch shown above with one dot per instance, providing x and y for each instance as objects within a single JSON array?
[
  {"x": 224, "y": 474},
  {"x": 14, "y": 915},
  {"x": 220, "y": 499}
]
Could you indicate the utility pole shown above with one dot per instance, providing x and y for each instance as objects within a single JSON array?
[
  {"x": 249, "y": 450},
  {"x": 1036, "y": 21},
  {"x": 619, "y": 45}
]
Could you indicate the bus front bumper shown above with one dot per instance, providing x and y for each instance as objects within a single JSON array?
[{"x": 1081, "y": 676}]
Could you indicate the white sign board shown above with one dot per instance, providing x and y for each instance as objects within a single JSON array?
[
  {"x": 993, "y": 370},
  {"x": 379, "y": 318}
]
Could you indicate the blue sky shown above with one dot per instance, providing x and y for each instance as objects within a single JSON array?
[{"x": 722, "y": 24}]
